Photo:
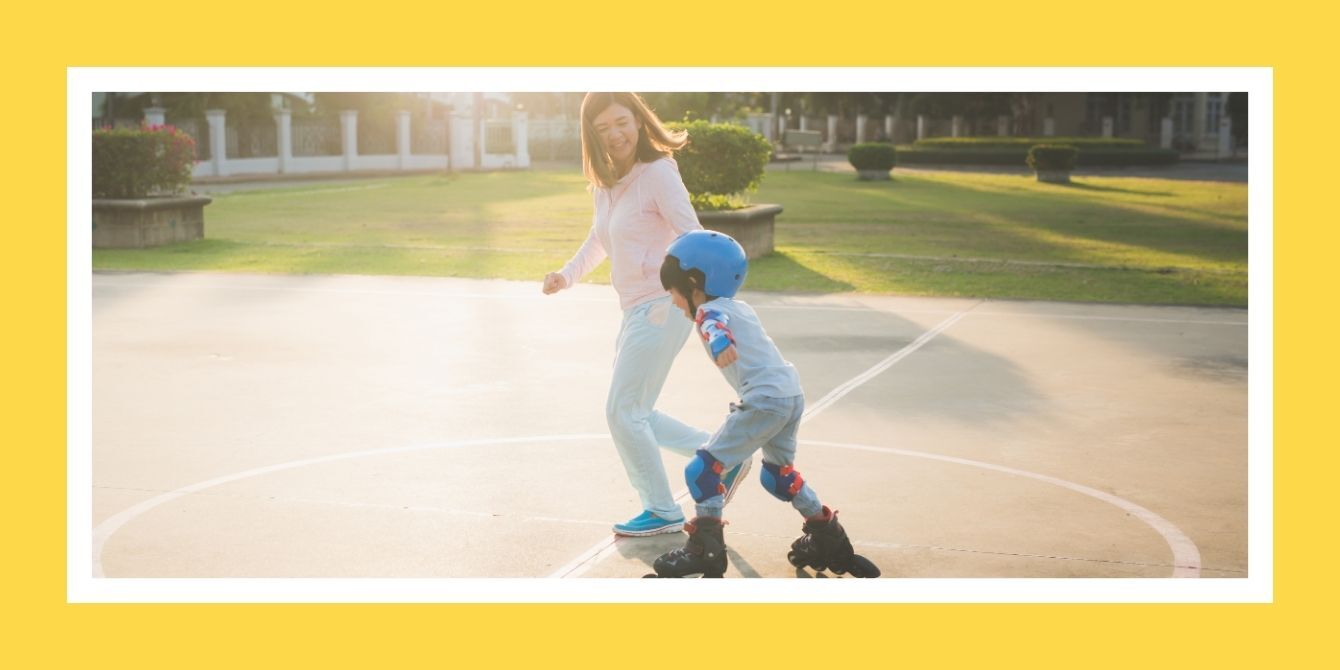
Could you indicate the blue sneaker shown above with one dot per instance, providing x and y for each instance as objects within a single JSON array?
[
  {"x": 736, "y": 475},
  {"x": 647, "y": 523}
]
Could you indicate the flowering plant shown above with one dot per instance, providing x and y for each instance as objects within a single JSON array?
[{"x": 138, "y": 162}]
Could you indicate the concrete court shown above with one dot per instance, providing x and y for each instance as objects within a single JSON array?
[{"x": 338, "y": 426}]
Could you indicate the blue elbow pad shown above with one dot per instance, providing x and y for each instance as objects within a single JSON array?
[{"x": 718, "y": 344}]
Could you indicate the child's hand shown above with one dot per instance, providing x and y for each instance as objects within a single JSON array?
[
  {"x": 727, "y": 357},
  {"x": 554, "y": 282}
]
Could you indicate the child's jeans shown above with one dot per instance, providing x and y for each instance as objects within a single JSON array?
[
  {"x": 651, "y": 336},
  {"x": 766, "y": 423}
]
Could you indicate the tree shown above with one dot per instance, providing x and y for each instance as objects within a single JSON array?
[
  {"x": 381, "y": 106},
  {"x": 547, "y": 105},
  {"x": 684, "y": 106},
  {"x": 1237, "y": 112},
  {"x": 1023, "y": 107},
  {"x": 844, "y": 104}
]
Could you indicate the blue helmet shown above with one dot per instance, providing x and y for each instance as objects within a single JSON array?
[{"x": 717, "y": 255}]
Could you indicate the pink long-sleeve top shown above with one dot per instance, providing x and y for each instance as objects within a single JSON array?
[{"x": 635, "y": 220}]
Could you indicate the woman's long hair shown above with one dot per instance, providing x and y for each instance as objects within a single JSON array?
[{"x": 654, "y": 140}]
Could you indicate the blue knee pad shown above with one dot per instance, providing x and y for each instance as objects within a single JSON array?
[
  {"x": 782, "y": 481},
  {"x": 703, "y": 474}
]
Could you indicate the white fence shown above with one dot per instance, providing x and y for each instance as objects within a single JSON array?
[
  {"x": 503, "y": 144},
  {"x": 555, "y": 139}
]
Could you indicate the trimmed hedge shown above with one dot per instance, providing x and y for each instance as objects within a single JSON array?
[
  {"x": 720, "y": 163},
  {"x": 872, "y": 156},
  {"x": 913, "y": 155},
  {"x": 1085, "y": 143},
  {"x": 1046, "y": 157},
  {"x": 135, "y": 163}
]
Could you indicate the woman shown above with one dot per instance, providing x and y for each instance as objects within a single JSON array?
[{"x": 641, "y": 206}]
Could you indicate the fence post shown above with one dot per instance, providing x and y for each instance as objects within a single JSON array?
[
  {"x": 284, "y": 135},
  {"x": 402, "y": 139},
  {"x": 860, "y": 127},
  {"x": 958, "y": 126},
  {"x": 1049, "y": 127},
  {"x": 921, "y": 126},
  {"x": 521, "y": 138},
  {"x": 1003, "y": 126},
  {"x": 832, "y": 133},
  {"x": 462, "y": 141},
  {"x": 218, "y": 141},
  {"x": 1107, "y": 126},
  {"x": 1166, "y": 133},
  {"x": 888, "y": 128},
  {"x": 1225, "y": 137},
  {"x": 349, "y": 137}
]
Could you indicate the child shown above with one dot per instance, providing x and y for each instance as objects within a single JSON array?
[{"x": 703, "y": 269}]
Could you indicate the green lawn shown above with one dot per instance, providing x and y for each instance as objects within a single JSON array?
[{"x": 1106, "y": 239}]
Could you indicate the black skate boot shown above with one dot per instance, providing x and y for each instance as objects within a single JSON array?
[
  {"x": 825, "y": 546},
  {"x": 703, "y": 553}
]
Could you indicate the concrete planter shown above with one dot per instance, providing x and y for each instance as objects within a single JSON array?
[
  {"x": 751, "y": 226},
  {"x": 148, "y": 222},
  {"x": 1054, "y": 176},
  {"x": 873, "y": 175}
]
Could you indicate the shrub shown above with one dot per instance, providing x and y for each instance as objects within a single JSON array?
[
  {"x": 134, "y": 163},
  {"x": 872, "y": 156},
  {"x": 720, "y": 163},
  {"x": 1124, "y": 157},
  {"x": 710, "y": 202},
  {"x": 909, "y": 154},
  {"x": 1047, "y": 157},
  {"x": 1085, "y": 143}
]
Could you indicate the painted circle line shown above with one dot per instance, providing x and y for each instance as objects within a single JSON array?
[
  {"x": 1186, "y": 557},
  {"x": 109, "y": 526}
]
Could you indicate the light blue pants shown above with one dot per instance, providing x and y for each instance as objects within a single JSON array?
[
  {"x": 651, "y": 336},
  {"x": 766, "y": 423}
]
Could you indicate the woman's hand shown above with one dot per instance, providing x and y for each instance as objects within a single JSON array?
[{"x": 553, "y": 283}]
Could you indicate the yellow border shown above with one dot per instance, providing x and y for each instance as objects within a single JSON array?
[{"x": 43, "y": 40}]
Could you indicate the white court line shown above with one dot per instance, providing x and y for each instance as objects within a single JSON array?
[
  {"x": 382, "y": 506},
  {"x": 1092, "y": 317},
  {"x": 539, "y": 296},
  {"x": 603, "y": 549},
  {"x": 1186, "y": 556},
  {"x": 851, "y": 385},
  {"x": 109, "y": 526},
  {"x": 1186, "y": 561},
  {"x": 580, "y": 565},
  {"x": 899, "y": 546}
]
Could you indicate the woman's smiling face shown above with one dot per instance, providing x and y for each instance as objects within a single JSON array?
[{"x": 617, "y": 129}]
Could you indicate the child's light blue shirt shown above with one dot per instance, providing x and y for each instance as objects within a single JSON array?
[{"x": 760, "y": 369}]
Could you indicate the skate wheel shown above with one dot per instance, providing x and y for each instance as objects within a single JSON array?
[
  {"x": 794, "y": 559},
  {"x": 862, "y": 568},
  {"x": 651, "y": 576},
  {"x": 713, "y": 576}
]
